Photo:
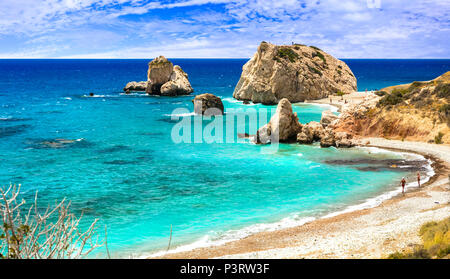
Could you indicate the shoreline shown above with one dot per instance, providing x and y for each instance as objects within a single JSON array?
[{"x": 275, "y": 244}]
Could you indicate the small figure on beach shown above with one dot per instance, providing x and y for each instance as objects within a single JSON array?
[
  {"x": 403, "y": 182},
  {"x": 418, "y": 178},
  {"x": 91, "y": 94},
  {"x": 331, "y": 101}
]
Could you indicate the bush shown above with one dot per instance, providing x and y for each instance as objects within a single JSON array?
[
  {"x": 320, "y": 55},
  {"x": 288, "y": 53},
  {"x": 380, "y": 93},
  {"x": 438, "y": 138},
  {"x": 394, "y": 98},
  {"x": 316, "y": 48},
  {"x": 312, "y": 69},
  {"x": 37, "y": 233},
  {"x": 436, "y": 242},
  {"x": 340, "y": 93},
  {"x": 443, "y": 90}
]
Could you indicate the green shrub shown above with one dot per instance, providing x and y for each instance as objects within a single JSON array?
[
  {"x": 438, "y": 138},
  {"x": 443, "y": 90},
  {"x": 416, "y": 84},
  {"x": 340, "y": 93},
  {"x": 394, "y": 98},
  {"x": 320, "y": 55},
  {"x": 314, "y": 47},
  {"x": 288, "y": 53},
  {"x": 380, "y": 93},
  {"x": 436, "y": 242},
  {"x": 312, "y": 69}
]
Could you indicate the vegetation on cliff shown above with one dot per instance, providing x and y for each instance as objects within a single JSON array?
[
  {"x": 416, "y": 111},
  {"x": 436, "y": 242}
]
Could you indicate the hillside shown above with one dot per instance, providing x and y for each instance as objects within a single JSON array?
[{"x": 417, "y": 111}]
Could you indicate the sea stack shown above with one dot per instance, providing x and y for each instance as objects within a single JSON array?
[
  {"x": 208, "y": 104},
  {"x": 295, "y": 72},
  {"x": 163, "y": 78},
  {"x": 282, "y": 127}
]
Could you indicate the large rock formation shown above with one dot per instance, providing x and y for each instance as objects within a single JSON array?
[
  {"x": 418, "y": 111},
  {"x": 162, "y": 79},
  {"x": 328, "y": 117},
  {"x": 208, "y": 104},
  {"x": 294, "y": 72},
  {"x": 282, "y": 127},
  {"x": 159, "y": 71},
  {"x": 178, "y": 84}
]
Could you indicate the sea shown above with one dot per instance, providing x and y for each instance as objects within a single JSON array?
[{"x": 116, "y": 159}]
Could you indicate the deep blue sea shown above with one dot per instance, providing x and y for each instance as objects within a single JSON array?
[{"x": 112, "y": 155}]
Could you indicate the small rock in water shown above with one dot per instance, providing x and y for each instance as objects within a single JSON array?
[
  {"x": 208, "y": 104},
  {"x": 243, "y": 135}
]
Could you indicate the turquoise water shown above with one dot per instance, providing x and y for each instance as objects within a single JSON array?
[{"x": 122, "y": 167}]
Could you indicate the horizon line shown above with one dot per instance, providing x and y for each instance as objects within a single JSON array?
[{"x": 205, "y": 58}]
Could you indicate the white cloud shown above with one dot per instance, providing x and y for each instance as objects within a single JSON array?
[{"x": 219, "y": 28}]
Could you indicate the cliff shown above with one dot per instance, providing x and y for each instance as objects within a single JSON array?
[
  {"x": 296, "y": 72},
  {"x": 418, "y": 111}
]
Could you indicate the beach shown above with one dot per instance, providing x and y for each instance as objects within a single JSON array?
[{"x": 374, "y": 232}]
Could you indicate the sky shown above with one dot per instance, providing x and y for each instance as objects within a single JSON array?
[{"x": 222, "y": 29}]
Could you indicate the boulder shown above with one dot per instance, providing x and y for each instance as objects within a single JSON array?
[
  {"x": 178, "y": 84},
  {"x": 343, "y": 139},
  {"x": 159, "y": 72},
  {"x": 328, "y": 117},
  {"x": 305, "y": 137},
  {"x": 295, "y": 72},
  {"x": 135, "y": 86},
  {"x": 208, "y": 104},
  {"x": 327, "y": 138},
  {"x": 282, "y": 127},
  {"x": 315, "y": 129}
]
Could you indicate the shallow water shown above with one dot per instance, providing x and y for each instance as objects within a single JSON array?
[{"x": 114, "y": 158}]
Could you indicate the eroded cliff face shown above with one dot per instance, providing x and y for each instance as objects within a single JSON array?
[
  {"x": 419, "y": 111},
  {"x": 295, "y": 72}
]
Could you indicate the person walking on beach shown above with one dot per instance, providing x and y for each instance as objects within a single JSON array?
[
  {"x": 418, "y": 178},
  {"x": 403, "y": 182}
]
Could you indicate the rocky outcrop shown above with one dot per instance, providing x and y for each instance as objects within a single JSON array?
[
  {"x": 419, "y": 111},
  {"x": 315, "y": 129},
  {"x": 135, "y": 86},
  {"x": 162, "y": 79},
  {"x": 282, "y": 127},
  {"x": 328, "y": 117},
  {"x": 178, "y": 84},
  {"x": 208, "y": 104},
  {"x": 295, "y": 72},
  {"x": 343, "y": 139},
  {"x": 159, "y": 72},
  {"x": 327, "y": 138}
]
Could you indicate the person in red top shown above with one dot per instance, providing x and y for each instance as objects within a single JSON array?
[
  {"x": 403, "y": 182},
  {"x": 418, "y": 178}
]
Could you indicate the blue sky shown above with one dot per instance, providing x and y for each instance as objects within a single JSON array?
[{"x": 218, "y": 28}]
